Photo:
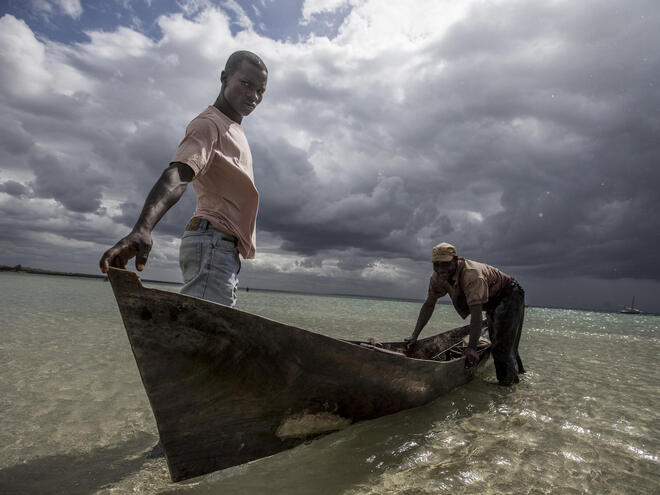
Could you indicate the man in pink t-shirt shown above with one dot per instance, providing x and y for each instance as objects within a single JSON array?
[{"x": 215, "y": 156}]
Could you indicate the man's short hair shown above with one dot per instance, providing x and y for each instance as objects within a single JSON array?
[{"x": 235, "y": 59}]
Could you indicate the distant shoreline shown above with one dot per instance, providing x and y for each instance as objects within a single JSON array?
[{"x": 41, "y": 271}]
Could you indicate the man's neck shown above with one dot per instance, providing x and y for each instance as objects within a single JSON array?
[
  {"x": 224, "y": 107},
  {"x": 454, "y": 276}
]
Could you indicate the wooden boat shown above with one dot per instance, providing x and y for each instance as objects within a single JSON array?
[{"x": 227, "y": 387}]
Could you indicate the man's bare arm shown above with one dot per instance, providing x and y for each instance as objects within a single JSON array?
[
  {"x": 425, "y": 313},
  {"x": 471, "y": 354},
  {"x": 165, "y": 193}
]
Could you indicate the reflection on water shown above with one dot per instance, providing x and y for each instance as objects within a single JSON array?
[{"x": 584, "y": 418}]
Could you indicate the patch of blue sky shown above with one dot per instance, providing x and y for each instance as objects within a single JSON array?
[
  {"x": 49, "y": 20},
  {"x": 280, "y": 20}
]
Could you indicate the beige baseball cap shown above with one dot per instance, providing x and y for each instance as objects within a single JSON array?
[{"x": 443, "y": 252}]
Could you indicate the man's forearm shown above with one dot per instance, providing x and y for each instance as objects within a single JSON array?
[
  {"x": 475, "y": 325},
  {"x": 165, "y": 193},
  {"x": 425, "y": 314}
]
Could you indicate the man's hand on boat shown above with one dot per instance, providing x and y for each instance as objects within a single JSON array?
[
  {"x": 410, "y": 342},
  {"x": 167, "y": 190},
  {"x": 471, "y": 357},
  {"x": 136, "y": 244}
]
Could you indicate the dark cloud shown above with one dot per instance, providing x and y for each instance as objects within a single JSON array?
[
  {"x": 529, "y": 125},
  {"x": 60, "y": 107},
  {"x": 171, "y": 224},
  {"x": 14, "y": 188},
  {"x": 74, "y": 185},
  {"x": 14, "y": 140},
  {"x": 381, "y": 217}
]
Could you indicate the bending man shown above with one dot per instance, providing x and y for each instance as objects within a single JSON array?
[{"x": 475, "y": 287}]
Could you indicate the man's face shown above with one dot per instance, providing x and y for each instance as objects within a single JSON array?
[
  {"x": 444, "y": 269},
  {"x": 244, "y": 87}
]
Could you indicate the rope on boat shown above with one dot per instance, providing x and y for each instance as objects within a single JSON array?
[{"x": 482, "y": 343}]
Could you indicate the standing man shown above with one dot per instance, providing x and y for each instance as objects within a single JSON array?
[
  {"x": 215, "y": 156},
  {"x": 475, "y": 287}
]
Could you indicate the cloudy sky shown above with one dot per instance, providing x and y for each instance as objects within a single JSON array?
[{"x": 527, "y": 133}]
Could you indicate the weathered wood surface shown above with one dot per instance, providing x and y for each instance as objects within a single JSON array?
[{"x": 227, "y": 386}]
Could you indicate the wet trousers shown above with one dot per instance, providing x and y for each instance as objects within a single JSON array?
[{"x": 505, "y": 322}]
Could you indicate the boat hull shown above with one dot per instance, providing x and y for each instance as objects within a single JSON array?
[{"x": 227, "y": 387}]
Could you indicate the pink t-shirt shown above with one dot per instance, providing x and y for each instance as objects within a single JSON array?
[{"x": 216, "y": 148}]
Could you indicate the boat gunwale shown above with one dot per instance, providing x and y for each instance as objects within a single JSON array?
[{"x": 356, "y": 343}]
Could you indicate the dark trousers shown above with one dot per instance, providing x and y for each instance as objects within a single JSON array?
[{"x": 505, "y": 323}]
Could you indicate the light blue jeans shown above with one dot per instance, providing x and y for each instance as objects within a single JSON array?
[{"x": 210, "y": 264}]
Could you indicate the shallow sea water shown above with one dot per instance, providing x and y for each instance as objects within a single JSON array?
[{"x": 76, "y": 420}]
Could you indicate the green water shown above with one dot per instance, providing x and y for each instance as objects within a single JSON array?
[{"x": 75, "y": 418}]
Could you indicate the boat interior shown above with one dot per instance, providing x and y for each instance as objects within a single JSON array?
[{"x": 442, "y": 347}]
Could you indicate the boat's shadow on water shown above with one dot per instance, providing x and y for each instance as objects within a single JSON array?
[{"x": 77, "y": 473}]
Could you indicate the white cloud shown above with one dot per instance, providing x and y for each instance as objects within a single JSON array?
[
  {"x": 23, "y": 59},
  {"x": 376, "y": 25},
  {"x": 243, "y": 20},
  {"x": 314, "y": 7},
  {"x": 122, "y": 44},
  {"x": 72, "y": 8},
  {"x": 383, "y": 272},
  {"x": 192, "y": 7},
  {"x": 34, "y": 69}
]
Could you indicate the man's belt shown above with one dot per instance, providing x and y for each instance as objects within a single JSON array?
[
  {"x": 509, "y": 288},
  {"x": 504, "y": 293},
  {"x": 195, "y": 222}
]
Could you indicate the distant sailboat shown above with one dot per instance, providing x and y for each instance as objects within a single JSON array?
[{"x": 631, "y": 310}]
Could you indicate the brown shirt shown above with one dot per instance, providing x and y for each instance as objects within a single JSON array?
[
  {"x": 217, "y": 150},
  {"x": 474, "y": 283}
]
